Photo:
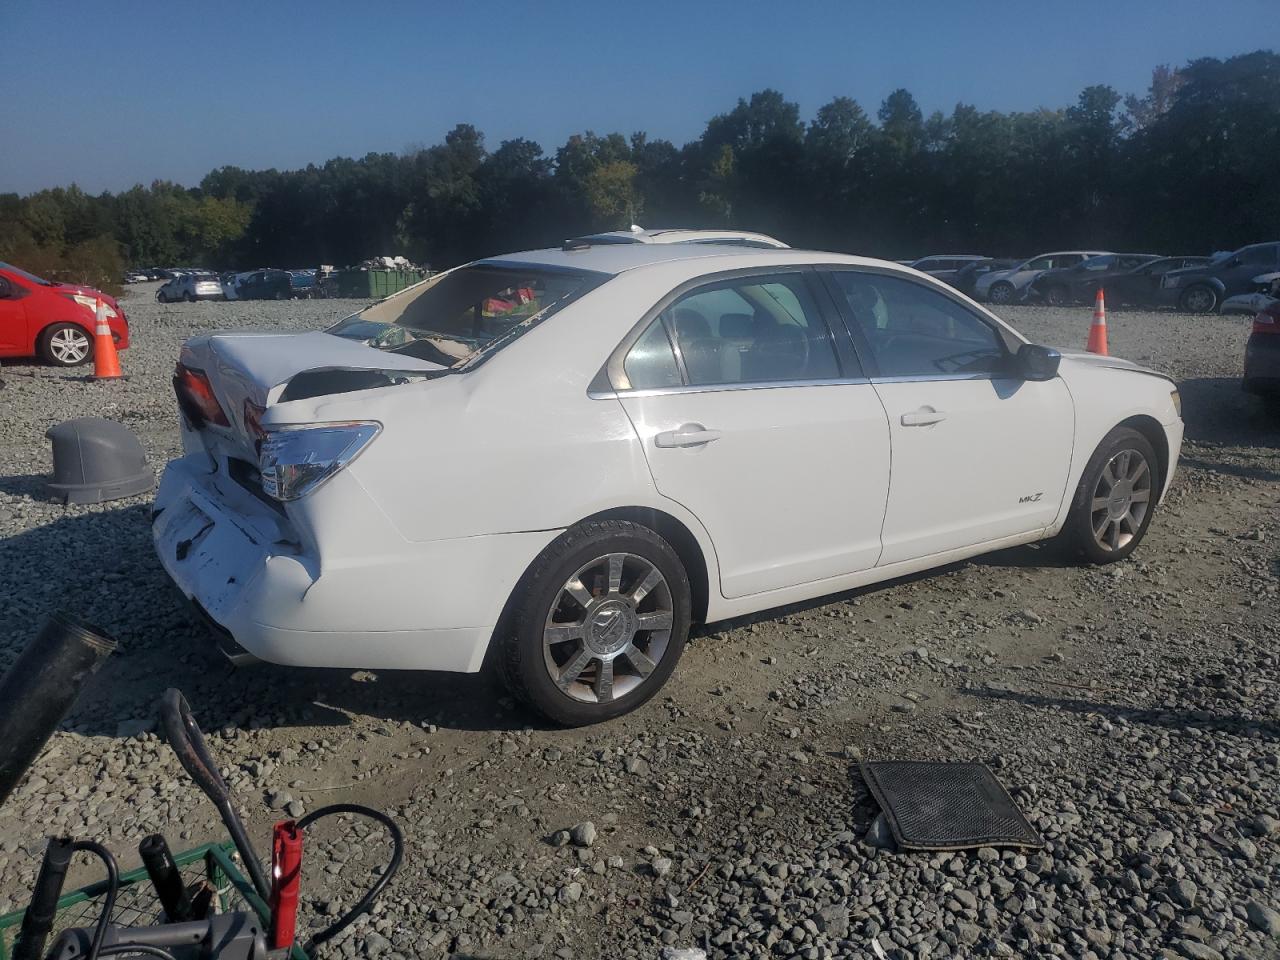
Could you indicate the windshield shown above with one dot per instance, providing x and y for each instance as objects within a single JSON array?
[
  {"x": 466, "y": 312},
  {"x": 26, "y": 276}
]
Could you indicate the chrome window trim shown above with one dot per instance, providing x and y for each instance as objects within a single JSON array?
[
  {"x": 934, "y": 377},
  {"x": 725, "y": 387}
]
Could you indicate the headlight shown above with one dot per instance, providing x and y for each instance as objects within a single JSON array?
[
  {"x": 91, "y": 303},
  {"x": 294, "y": 461},
  {"x": 1176, "y": 397}
]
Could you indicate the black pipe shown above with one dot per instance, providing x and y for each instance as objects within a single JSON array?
[
  {"x": 40, "y": 687},
  {"x": 40, "y": 914},
  {"x": 166, "y": 878}
]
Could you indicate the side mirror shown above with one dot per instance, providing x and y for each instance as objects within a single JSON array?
[{"x": 1034, "y": 362}]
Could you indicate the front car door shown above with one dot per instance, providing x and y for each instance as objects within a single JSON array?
[
  {"x": 978, "y": 454},
  {"x": 760, "y": 422},
  {"x": 13, "y": 316}
]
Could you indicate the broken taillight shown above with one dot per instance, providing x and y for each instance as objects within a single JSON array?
[
  {"x": 196, "y": 399},
  {"x": 1268, "y": 320}
]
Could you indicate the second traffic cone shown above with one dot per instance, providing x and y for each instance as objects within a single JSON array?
[
  {"x": 106, "y": 361},
  {"x": 1098, "y": 329}
]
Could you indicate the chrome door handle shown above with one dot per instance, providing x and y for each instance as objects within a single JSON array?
[
  {"x": 686, "y": 435},
  {"x": 923, "y": 417}
]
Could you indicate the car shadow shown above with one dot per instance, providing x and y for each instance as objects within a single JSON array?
[
  {"x": 100, "y": 566},
  {"x": 1177, "y": 719}
]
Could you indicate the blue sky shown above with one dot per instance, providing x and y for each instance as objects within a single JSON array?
[{"x": 112, "y": 94}]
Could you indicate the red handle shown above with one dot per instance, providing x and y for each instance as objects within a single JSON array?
[{"x": 286, "y": 877}]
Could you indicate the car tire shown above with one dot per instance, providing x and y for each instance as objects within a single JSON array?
[
  {"x": 574, "y": 644},
  {"x": 1115, "y": 499},
  {"x": 1057, "y": 296},
  {"x": 65, "y": 345},
  {"x": 190, "y": 297},
  {"x": 1200, "y": 298},
  {"x": 161, "y": 297},
  {"x": 1001, "y": 292}
]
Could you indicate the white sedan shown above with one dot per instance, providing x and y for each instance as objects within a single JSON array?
[{"x": 554, "y": 462}]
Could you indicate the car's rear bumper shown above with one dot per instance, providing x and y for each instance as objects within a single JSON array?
[{"x": 398, "y": 605}]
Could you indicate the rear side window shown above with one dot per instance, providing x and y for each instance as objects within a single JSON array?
[
  {"x": 751, "y": 330},
  {"x": 651, "y": 363},
  {"x": 915, "y": 331},
  {"x": 1263, "y": 254}
]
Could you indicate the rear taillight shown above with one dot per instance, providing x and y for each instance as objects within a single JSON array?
[
  {"x": 1268, "y": 320},
  {"x": 196, "y": 399},
  {"x": 294, "y": 461}
]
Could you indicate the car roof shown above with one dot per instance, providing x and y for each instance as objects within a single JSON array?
[
  {"x": 615, "y": 258},
  {"x": 677, "y": 235},
  {"x": 951, "y": 256}
]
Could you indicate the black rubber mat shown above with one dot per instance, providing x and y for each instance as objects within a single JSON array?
[{"x": 946, "y": 806}]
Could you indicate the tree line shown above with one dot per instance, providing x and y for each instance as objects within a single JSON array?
[{"x": 1188, "y": 166}]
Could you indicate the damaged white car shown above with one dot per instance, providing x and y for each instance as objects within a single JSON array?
[{"x": 554, "y": 462}]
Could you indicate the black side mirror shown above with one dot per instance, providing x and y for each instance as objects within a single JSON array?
[{"x": 1034, "y": 362}]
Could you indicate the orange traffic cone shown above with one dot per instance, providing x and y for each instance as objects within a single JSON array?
[
  {"x": 106, "y": 362},
  {"x": 1098, "y": 329}
]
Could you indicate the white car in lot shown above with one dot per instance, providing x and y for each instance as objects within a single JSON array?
[
  {"x": 1009, "y": 286},
  {"x": 554, "y": 462}
]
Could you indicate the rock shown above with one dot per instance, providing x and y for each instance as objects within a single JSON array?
[
  {"x": 661, "y": 866},
  {"x": 1157, "y": 841},
  {"x": 1262, "y": 917},
  {"x": 1265, "y": 826},
  {"x": 880, "y": 835},
  {"x": 1197, "y": 951},
  {"x": 583, "y": 834},
  {"x": 1183, "y": 892}
]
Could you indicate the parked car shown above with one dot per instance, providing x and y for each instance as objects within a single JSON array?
[
  {"x": 733, "y": 238},
  {"x": 1262, "y": 354},
  {"x": 53, "y": 321},
  {"x": 191, "y": 287},
  {"x": 568, "y": 527},
  {"x": 944, "y": 267},
  {"x": 302, "y": 282},
  {"x": 1081, "y": 282},
  {"x": 1202, "y": 289},
  {"x": 1010, "y": 286},
  {"x": 967, "y": 276},
  {"x": 1266, "y": 289},
  {"x": 265, "y": 285}
]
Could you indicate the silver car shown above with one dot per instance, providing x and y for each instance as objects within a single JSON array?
[{"x": 191, "y": 287}]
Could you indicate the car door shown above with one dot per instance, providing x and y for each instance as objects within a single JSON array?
[
  {"x": 759, "y": 421},
  {"x": 1237, "y": 276},
  {"x": 13, "y": 316},
  {"x": 978, "y": 454}
]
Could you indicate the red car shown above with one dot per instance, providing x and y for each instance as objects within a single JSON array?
[{"x": 53, "y": 321}]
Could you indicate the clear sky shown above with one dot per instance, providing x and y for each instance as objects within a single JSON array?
[{"x": 112, "y": 94}]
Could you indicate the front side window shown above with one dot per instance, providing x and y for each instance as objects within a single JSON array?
[
  {"x": 751, "y": 330},
  {"x": 1259, "y": 255},
  {"x": 915, "y": 331}
]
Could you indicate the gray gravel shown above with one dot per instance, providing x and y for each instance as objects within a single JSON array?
[{"x": 1133, "y": 711}]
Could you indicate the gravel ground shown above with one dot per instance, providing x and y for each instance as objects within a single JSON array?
[{"x": 1133, "y": 711}]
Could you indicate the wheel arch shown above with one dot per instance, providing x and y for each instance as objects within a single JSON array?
[
  {"x": 1151, "y": 429},
  {"x": 682, "y": 540}
]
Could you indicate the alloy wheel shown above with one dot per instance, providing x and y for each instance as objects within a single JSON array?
[
  {"x": 69, "y": 345},
  {"x": 1200, "y": 300},
  {"x": 1121, "y": 499},
  {"x": 608, "y": 628}
]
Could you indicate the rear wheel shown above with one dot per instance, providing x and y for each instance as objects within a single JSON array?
[
  {"x": 1000, "y": 292},
  {"x": 1199, "y": 299},
  {"x": 65, "y": 345},
  {"x": 1115, "y": 499},
  {"x": 598, "y": 623}
]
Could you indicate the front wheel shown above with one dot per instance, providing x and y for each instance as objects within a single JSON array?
[
  {"x": 1199, "y": 299},
  {"x": 1115, "y": 500},
  {"x": 1001, "y": 292},
  {"x": 598, "y": 623},
  {"x": 65, "y": 345},
  {"x": 1057, "y": 296}
]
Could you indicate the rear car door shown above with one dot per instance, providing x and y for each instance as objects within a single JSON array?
[
  {"x": 978, "y": 453},
  {"x": 760, "y": 422}
]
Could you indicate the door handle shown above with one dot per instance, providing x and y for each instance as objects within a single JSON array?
[
  {"x": 923, "y": 417},
  {"x": 686, "y": 435}
]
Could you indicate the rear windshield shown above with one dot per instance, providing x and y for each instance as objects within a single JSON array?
[{"x": 466, "y": 313}]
